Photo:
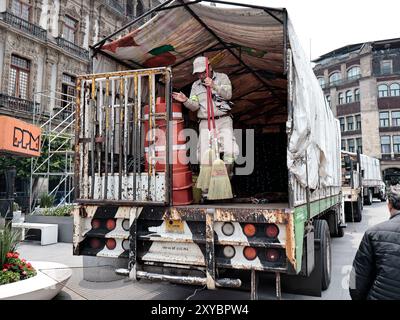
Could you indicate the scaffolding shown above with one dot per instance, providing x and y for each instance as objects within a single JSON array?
[{"x": 52, "y": 173}]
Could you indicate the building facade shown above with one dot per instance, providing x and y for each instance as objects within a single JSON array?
[
  {"x": 44, "y": 45},
  {"x": 361, "y": 83}
]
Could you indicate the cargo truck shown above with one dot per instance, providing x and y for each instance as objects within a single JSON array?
[
  {"x": 361, "y": 181},
  {"x": 134, "y": 203}
]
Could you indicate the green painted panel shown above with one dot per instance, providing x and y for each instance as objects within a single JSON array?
[{"x": 300, "y": 218}]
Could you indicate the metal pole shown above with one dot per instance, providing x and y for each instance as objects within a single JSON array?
[
  {"x": 102, "y": 42},
  {"x": 120, "y": 138},
  {"x": 135, "y": 149},
  {"x": 107, "y": 105},
  {"x": 93, "y": 124}
]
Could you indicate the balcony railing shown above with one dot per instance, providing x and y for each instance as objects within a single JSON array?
[
  {"x": 340, "y": 82},
  {"x": 16, "y": 104},
  {"x": 116, "y": 6},
  {"x": 73, "y": 48},
  {"x": 24, "y": 25}
]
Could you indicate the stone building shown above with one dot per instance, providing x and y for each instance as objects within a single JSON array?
[
  {"x": 362, "y": 85},
  {"x": 44, "y": 44}
]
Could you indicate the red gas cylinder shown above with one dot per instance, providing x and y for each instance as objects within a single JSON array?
[{"x": 182, "y": 176}]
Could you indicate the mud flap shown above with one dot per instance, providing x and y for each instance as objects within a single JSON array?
[{"x": 306, "y": 285}]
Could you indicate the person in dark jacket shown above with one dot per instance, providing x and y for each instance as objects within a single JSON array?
[{"x": 376, "y": 267}]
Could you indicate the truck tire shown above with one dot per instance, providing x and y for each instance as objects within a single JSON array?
[
  {"x": 321, "y": 232},
  {"x": 333, "y": 223},
  {"x": 368, "y": 198},
  {"x": 357, "y": 210}
]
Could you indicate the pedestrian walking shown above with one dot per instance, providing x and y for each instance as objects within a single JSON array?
[{"x": 376, "y": 267}]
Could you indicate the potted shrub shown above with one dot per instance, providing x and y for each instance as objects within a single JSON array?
[
  {"x": 12, "y": 267},
  {"x": 62, "y": 216}
]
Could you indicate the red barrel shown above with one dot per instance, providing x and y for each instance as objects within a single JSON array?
[{"x": 182, "y": 176}]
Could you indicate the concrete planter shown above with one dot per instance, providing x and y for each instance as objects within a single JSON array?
[
  {"x": 65, "y": 225},
  {"x": 50, "y": 279}
]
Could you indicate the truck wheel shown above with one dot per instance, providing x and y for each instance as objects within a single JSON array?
[
  {"x": 333, "y": 223},
  {"x": 321, "y": 232},
  {"x": 357, "y": 209},
  {"x": 368, "y": 198}
]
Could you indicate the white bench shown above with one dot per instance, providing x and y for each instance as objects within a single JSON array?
[{"x": 49, "y": 231}]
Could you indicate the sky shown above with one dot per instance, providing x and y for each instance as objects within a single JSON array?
[{"x": 331, "y": 24}]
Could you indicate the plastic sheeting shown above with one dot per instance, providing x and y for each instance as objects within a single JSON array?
[
  {"x": 174, "y": 37},
  {"x": 315, "y": 132}
]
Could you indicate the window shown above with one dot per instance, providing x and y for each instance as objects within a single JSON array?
[
  {"x": 385, "y": 144},
  {"x": 21, "y": 9},
  {"x": 350, "y": 123},
  {"x": 356, "y": 95},
  {"x": 396, "y": 144},
  {"x": 383, "y": 91},
  {"x": 341, "y": 98},
  {"x": 68, "y": 89},
  {"x": 335, "y": 78},
  {"x": 349, "y": 96},
  {"x": 359, "y": 145},
  {"x": 344, "y": 145},
  {"x": 353, "y": 73},
  {"x": 386, "y": 66},
  {"x": 328, "y": 99},
  {"x": 358, "y": 122},
  {"x": 70, "y": 28},
  {"x": 342, "y": 124},
  {"x": 350, "y": 144},
  {"x": 384, "y": 119},
  {"x": 395, "y": 90},
  {"x": 19, "y": 77},
  {"x": 395, "y": 118},
  {"x": 321, "y": 81}
]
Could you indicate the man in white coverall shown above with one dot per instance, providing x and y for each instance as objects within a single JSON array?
[{"x": 221, "y": 94}]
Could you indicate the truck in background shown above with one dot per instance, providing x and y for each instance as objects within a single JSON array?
[
  {"x": 361, "y": 182},
  {"x": 286, "y": 209}
]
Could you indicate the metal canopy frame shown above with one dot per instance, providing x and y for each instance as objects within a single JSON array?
[{"x": 271, "y": 11}]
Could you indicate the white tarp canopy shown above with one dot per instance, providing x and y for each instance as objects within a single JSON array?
[{"x": 174, "y": 37}]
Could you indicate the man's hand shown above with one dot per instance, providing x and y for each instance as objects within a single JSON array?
[
  {"x": 208, "y": 82},
  {"x": 179, "y": 96}
]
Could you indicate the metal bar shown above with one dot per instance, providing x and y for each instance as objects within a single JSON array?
[
  {"x": 128, "y": 203},
  {"x": 273, "y": 16},
  {"x": 77, "y": 134},
  {"x": 112, "y": 125},
  {"x": 126, "y": 136},
  {"x": 135, "y": 149},
  {"x": 100, "y": 132},
  {"x": 210, "y": 250},
  {"x": 140, "y": 143},
  {"x": 93, "y": 124},
  {"x": 150, "y": 135},
  {"x": 220, "y": 283},
  {"x": 107, "y": 126},
  {"x": 102, "y": 42},
  {"x": 278, "y": 286},
  {"x": 120, "y": 138},
  {"x": 168, "y": 150},
  {"x": 228, "y": 48},
  {"x": 254, "y": 284}
]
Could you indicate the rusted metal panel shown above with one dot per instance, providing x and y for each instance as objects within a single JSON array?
[
  {"x": 109, "y": 137},
  {"x": 290, "y": 241},
  {"x": 210, "y": 250}
]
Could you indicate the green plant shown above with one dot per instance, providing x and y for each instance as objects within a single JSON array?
[
  {"x": 63, "y": 211},
  {"x": 46, "y": 200},
  {"x": 15, "y": 269},
  {"x": 9, "y": 240}
]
